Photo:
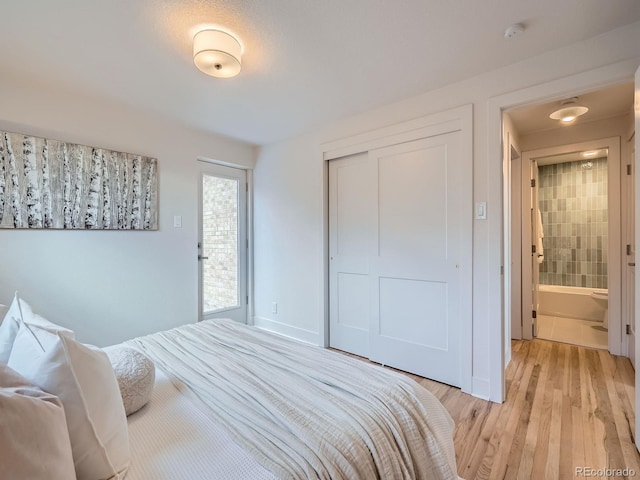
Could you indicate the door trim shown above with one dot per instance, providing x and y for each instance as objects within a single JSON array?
[
  {"x": 617, "y": 341},
  {"x": 457, "y": 119}
]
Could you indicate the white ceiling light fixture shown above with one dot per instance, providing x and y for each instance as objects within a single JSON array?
[
  {"x": 217, "y": 53},
  {"x": 569, "y": 111}
]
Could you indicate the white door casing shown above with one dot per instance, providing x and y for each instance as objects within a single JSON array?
[{"x": 222, "y": 243}]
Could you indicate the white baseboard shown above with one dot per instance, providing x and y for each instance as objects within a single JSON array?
[
  {"x": 288, "y": 330},
  {"x": 480, "y": 388},
  {"x": 507, "y": 358}
]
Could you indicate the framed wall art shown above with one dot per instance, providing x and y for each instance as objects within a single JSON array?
[{"x": 49, "y": 184}]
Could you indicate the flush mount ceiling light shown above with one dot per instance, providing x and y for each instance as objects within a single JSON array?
[
  {"x": 217, "y": 53},
  {"x": 569, "y": 111}
]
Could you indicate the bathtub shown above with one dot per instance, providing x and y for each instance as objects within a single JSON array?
[{"x": 571, "y": 302}]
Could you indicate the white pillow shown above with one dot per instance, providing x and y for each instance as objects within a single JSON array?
[
  {"x": 34, "y": 441},
  {"x": 82, "y": 377},
  {"x": 21, "y": 311},
  {"x": 9, "y": 329},
  {"x": 136, "y": 375}
]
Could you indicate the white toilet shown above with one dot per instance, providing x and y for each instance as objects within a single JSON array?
[{"x": 602, "y": 299}]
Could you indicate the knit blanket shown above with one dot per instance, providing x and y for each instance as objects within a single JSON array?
[{"x": 305, "y": 412}]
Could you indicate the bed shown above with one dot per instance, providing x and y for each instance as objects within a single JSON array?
[
  {"x": 233, "y": 401},
  {"x": 212, "y": 400}
]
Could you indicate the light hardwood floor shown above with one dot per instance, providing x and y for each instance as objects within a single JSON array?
[{"x": 566, "y": 407}]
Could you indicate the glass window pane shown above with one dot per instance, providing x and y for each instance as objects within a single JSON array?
[{"x": 220, "y": 243}]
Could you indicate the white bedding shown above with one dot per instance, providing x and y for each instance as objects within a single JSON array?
[
  {"x": 237, "y": 374},
  {"x": 172, "y": 439}
]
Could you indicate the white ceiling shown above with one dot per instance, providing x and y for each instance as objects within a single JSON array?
[
  {"x": 605, "y": 103},
  {"x": 305, "y": 63}
]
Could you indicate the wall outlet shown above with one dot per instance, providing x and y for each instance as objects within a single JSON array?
[{"x": 274, "y": 308}]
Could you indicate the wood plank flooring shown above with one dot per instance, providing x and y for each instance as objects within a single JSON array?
[{"x": 567, "y": 407}]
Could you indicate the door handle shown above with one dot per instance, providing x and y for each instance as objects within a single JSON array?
[
  {"x": 632, "y": 264},
  {"x": 200, "y": 257}
]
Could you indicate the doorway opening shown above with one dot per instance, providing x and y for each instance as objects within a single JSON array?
[
  {"x": 570, "y": 231},
  {"x": 574, "y": 228}
]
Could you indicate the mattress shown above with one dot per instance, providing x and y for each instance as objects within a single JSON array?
[{"x": 172, "y": 439}]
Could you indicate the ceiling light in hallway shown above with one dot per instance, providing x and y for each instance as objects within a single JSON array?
[{"x": 568, "y": 111}]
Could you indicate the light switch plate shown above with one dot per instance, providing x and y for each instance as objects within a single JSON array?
[
  {"x": 177, "y": 221},
  {"x": 481, "y": 210}
]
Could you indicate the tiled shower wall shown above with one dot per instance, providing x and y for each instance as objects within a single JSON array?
[{"x": 573, "y": 204}]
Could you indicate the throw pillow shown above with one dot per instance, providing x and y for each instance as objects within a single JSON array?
[
  {"x": 82, "y": 377},
  {"x": 136, "y": 376},
  {"x": 34, "y": 441}
]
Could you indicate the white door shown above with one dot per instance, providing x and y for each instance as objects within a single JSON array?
[
  {"x": 637, "y": 236},
  {"x": 397, "y": 220},
  {"x": 350, "y": 226},
  {"x": 222, "y": 246},
  {"x": 629, "y": 269},
  {"x": 537, "y": 254}
]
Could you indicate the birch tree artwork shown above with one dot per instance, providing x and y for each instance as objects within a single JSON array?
[{"x": 50, "y": 184}]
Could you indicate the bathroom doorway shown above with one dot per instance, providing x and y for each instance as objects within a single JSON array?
[
  {"x": 571, "y": 222},
  {"x": 569, "y": 229}
]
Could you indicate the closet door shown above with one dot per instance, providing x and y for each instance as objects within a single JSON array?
[
  {"x": 415, "y": 257},
  {"x": 351, "y": 201},
  {"x": 396, "y": 220}
]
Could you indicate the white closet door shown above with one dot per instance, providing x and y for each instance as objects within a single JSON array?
[
  {"x": 350, "y": 226},
  {"x": 395, "y": 220},
  {"x": 415, "y": 265}
]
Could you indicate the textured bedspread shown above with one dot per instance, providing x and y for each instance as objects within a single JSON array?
[{"x": 306, "y": 412}]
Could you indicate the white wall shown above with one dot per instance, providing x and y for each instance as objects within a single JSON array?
[
  {"x": 289, "y": 239},
  {"x": 110, "y": 285},
  {"x": 290, "y": 203}
]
